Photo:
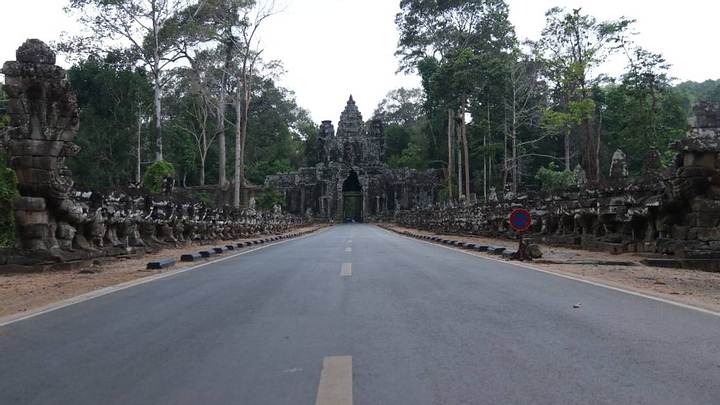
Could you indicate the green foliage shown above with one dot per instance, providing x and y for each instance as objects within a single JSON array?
[
  {"x": 276, "y": 128},
  {"x": 269, "y": 198},
  {"x": 204, "y": 198},
  {"x": 8, "y": 194},
  {"x": 109, "y": 92},
  {"x": 156, "y": 173},
  {"x": 709, "y": 90},
  {"x": 413, "y": 157},
  {"x": 643, "y": 112},
  {"x": 553, "y": 179},
  {"x": 401, "y": 107},
  {"x": 312, "y": 149},
  {"x": 559, "y": 122}
]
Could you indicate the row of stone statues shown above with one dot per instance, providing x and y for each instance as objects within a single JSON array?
[
  {"x": 55, "y": 220},
  {"x": 673, "y": 211}
]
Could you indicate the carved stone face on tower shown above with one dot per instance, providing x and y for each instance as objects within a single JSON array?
[
  {"x": 355, "y": 144},
  {"x": 44, "y": 119},
  {"x": 351, "y": 121}
]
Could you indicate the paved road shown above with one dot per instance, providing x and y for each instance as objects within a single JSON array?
[{"x": 415, "y": 323}]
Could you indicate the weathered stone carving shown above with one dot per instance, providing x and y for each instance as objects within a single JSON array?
[
  {"x": 352, "y": 181},
  {"x": 618, "y": 166},
  {"x": 580, "y": 176},
  {"x": 44, "y": 119},
  {"x": 57, "y": 223},
  {"x": 675, "y": 213}
]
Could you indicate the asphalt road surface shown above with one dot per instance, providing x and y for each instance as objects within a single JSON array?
[{"x": 358, "y": 315}]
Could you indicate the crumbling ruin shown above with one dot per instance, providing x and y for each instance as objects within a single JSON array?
[
  {"x": 672, "y": 212},
  {"x": 55, "y": 222},
  {"x": 353, "y": 182}
]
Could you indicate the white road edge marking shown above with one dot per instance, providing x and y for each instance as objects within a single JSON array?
[
  {"x": 596, "y": 284},
  {"x": 348, "y": 249},
  {"x": 10, "y": 319},
  {"x": 335, "y": 387},
  {"x": 346, "y": 270}
]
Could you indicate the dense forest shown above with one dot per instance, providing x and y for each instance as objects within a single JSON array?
[{"x": 179, "y": 87}]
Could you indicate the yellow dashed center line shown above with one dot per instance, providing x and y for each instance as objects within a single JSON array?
[
  {"x": 335, "y": 386},
  {"x": 346, "y": 270}
]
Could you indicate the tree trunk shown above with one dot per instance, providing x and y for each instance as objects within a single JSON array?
[
  {"x": 202, "y": 171},
  {"x": 466, "y": 152},
  {"x": 158, "y": 117},
  {"x": 451, "y": 131},
  {"x": 597, "y": 146},
  {"x": 242, "y": 113},
  {"x": 238, "y": 147},
  {"x": 156, "y": 86},
  {"x": 515, "y": 163},
  {"x": 489, "y": 141},
  {"x": 222, "y": 104},
  {"x": 222, "y": 156},
  {"x": 590, "y": 151},
  {"x": 567, "y": 150},
  {"x": 507, "y": 165},
  {"x": 138, "y": 173},
  {"x": 458, "y": 154}
]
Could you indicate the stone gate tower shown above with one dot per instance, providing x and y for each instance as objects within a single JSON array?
[{"x": 353, "y": 182}]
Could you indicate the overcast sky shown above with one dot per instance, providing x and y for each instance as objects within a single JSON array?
[{"x": 334, "y": 48}]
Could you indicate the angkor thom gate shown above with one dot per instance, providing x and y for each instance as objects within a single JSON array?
[{"x": 353, "y": 182}]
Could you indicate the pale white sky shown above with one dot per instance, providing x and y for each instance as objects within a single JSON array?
[{"x": 332, "y": 48}]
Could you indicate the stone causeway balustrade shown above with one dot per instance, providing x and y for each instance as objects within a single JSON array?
[
  {"x": 671, "y": 211},
  {"x": 55, "y": 222}
]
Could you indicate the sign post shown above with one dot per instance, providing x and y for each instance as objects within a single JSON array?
[{"x": 520, "y": 221}]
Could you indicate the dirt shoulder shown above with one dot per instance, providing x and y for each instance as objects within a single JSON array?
[
  {"x": 22, "y": 292},
  {"x": 697, "y": 288}
]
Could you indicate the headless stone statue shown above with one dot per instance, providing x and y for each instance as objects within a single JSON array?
[
  {"x": 44, "y": 119},
  {"x": 580, "y": 176},
  {"x": 618, "y": 166}
]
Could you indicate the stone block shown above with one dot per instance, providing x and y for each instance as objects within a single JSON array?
[
  {"x": 702, "y": 254},
  {"x": 33, "y": 177},
  {"x": 35, "y": 147},
  {"x": 705, "y": 205},
  {"x": 30, "y": 204},
  {"x": 496, "y": 250},
  {"x": 708, "y": 234},
  {"x": 39, "y": 162},
  {"x": 534, "y": 251},
  {"x": 192, "y": 257},
  {"x": 160, "y": 264},
  {"x": 65, "y": 231},
  {"x": 25, "y": 218}
]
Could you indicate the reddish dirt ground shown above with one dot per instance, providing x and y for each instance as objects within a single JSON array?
[
  {"x": 22, "y": 292},
  {"x": 693, "y": 287}
]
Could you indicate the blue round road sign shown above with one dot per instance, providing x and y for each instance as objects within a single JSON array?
[{"x": 520, "y": 220}]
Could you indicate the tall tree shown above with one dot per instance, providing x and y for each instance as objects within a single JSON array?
[
  {"x": 522, "y": 103},
  {"x": 137, "y": 24},
  {"x": 246, "y": 45},
  {"x": 109, "y": 91},
  {"x": 572, "y": 45},
  {"x": 643, "y": 113},
  {"x": 217, "y": 23},
  {"x": 457, "y": 47}
]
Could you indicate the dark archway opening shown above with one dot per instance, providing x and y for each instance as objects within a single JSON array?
[{"x": 352, "y": 198}]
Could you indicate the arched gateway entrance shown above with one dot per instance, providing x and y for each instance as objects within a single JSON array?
[{"x": 352, "y": 198}]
